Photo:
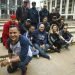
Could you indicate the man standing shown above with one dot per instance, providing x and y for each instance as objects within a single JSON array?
[
  {"x": 34, "y": 16},
  {"x": 22, "y": 13},
  {"x": 44, "y": 13}
]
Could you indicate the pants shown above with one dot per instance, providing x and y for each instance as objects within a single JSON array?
[
  {"x": 22, "y": 65},
  {"x": 34, "y": 51},
  {"x": 59, "y": 44},
  {"x": 41, "y": 51}
]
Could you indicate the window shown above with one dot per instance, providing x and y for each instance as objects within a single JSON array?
[
  {"x": 63, "y": 6},
  {"x": 53, "y": 3},
  {"x": 58, "y": 5},
  {"x": 70, "y": 6}
]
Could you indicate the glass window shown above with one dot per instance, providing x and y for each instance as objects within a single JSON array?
[
  {"x": 19, "y": 2},
  {"x": 53, "y": 3},
  {"x": 70, "y": 6},
  {"x": 3, "y": 4},
  {"x": 58, "y": 5},
  {"x": 63, "y": 6},
  {"x": 48, "y": 5}
]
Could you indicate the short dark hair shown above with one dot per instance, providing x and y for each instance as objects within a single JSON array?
[
  {"x": 33, "y": 2},
  {"x": 25, "y": 1},
  {"x": 65, "y": 24},
  {"x": 12, "y": 26}
]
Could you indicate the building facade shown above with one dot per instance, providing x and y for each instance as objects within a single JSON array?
[
  {"x": 8, "y": 7},
  {"x": 65, "y": 7}
]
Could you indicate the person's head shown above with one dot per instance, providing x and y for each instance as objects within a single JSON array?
[
  {"x": 31, "y": 29},
  {"x": 62, "y": 21},
  {"x": 33, "y": 4},
  {"x": 14, "y": 33},
  {"x": 65, "y": 27},
  {"x": 44, "y": 6},
  {"x": 25, "y": 3},
  {"x": 12, "y": 18},
  {"x": 54, "y": 18},
  {"x": 54, "y": 28},
  {"x": 45, "y": 19},
  {"x": 28, "y": 22},
  {"x": 41, "y": 27},
  {"x": 53, "y": 10}
]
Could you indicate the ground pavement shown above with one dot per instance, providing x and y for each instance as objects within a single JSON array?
[{"x": 60, "y": 64}]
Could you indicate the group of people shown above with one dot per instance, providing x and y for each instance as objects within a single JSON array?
[{"x": 34, "y": 34}]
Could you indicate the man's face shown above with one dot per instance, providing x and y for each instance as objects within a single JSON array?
[
  {"x": 32, "y": 29},
  {"x": 33, "y": 4},
  {"x": 41, "y": 27},
  {"x": 14, "y": 34},
  {"x": 27, "y": 23},
  {"x": 62, "y": 21},
  {"x": 25, "y": 4},
  {"x": 45, "y": 7},
  {"x": 45, "y": 20},
  {"x": 65, "y": 28},
  {"x": 13, "y": 21}
]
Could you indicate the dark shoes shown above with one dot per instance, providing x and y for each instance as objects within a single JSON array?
[{"x": 24, "y": 72}]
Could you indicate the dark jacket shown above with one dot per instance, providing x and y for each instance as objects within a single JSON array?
[
  {"x": 40, "y": 37},
  {"x": 24, "y": 47},
  {"x": 66, "y": 35},
  {"x": 22, "y": 14},
  {"x": 43, "y": 13},
  {"x": 34, "y": 16},
  {"x": 47, "y": 26},
  {"x": 53, "y": 37}
]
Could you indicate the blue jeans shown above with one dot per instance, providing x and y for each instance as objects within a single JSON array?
[{"x": 41, "y": 51}]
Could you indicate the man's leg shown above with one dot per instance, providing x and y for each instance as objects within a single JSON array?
[
  {"x": 22, "y": 65},
  {"x": 41, "y": 52},
  {"x": 12, "y": 68}
]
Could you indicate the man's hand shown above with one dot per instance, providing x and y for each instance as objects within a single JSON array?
[{"x": 4, "y": 63}]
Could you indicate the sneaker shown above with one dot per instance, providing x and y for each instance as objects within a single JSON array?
[
  {"x": 48, "y": 57},
  {"x": 38, "y": 56}
]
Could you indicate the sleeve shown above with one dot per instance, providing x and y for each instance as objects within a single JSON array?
[
  {"x": 51, "y": 39},
  {"x": 45, "y": 41},
  {"x": 8, "y": 46},
  {"x": 5, "y": 34},
  {"x": 24, "y": 48},
  {"x": 37, "y": 16},
  {"x": 18, "y": 13},
  {"x": 22, "y": 27},
  {"x": 70, "y": 35}
]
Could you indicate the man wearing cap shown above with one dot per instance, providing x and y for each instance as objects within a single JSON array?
[
  {"x": 5, "y": 34},
  {"x": 34, "y": 16},
  {"x": 44, "y": 13},
  {"x": 22, "y": 13},
  {"x": 25, "y": 26}
]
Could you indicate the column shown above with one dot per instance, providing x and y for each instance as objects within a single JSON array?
[
  {"x": 50, "y": 5},
  {"x": 74, "y": 13},
  {"x": 15, "y": 5},
  {"x": 55, "y": 3},
  {"x": 8, "y": 7},
  {"x": 60, "y": 7},
  {"x": 0, "y": 9},
  {"x": 66, "y": 11}
]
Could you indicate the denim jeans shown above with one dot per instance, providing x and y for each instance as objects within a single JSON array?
[{"x": 41, "y": 51}]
